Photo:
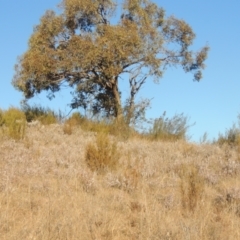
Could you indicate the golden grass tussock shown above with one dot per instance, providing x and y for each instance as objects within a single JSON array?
[
  {"x": 50, "y": 187},
  {"x": 191, "y": 187},
  {"x": 103, "y": 155}
]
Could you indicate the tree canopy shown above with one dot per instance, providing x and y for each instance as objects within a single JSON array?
[{"x": 91, "y": 44}]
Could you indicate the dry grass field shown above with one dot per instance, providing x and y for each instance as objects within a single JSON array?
[{"x": 156, "y": 190}]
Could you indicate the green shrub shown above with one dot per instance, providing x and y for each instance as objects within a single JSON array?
[
  {"x": 169, "y": 128},
  {"x": 15, "y": 122},
  {"x": 33, "y": 113},
  {"x": 44, "y": 115},
  {"x": 102, "y": 155}
]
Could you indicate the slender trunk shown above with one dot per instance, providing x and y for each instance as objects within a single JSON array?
[
  {"x": 119, "y": 111},
  {"x": 130, "y": 108}
]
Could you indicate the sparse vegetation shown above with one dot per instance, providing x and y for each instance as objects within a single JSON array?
[
  {"x": 95, "y": 186},
  {"x": 98, "y": 177}
]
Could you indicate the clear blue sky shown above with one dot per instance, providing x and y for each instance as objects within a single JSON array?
[{"x": 213, "y": 103}]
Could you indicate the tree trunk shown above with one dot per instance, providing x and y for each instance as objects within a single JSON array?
[
  {"x": 130, "y": 110},
  {"x": 119, "y": 111}
]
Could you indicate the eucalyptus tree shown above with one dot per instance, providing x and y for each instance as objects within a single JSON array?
[{"x": 91, "y": 44}]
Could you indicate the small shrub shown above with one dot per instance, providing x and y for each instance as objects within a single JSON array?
[
  {"x": 15, "y": 121},
  {"x": 33, "y": 113},
  {"x": 102, "y": 155},
  {"x": 95, "y": 126},
  {"x": 86, "y": 124},
  {"x": 169, "y": 128},
  {"x": 75, "y": 120},
  {"x": 103, "y": 126},
  {"x": 231, "y": 136},
  {"x": 49, "y": 118},
  {"x": 45, "y": 116}
]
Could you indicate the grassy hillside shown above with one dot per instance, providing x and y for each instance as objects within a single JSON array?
[{"x": 154, "y": 190}]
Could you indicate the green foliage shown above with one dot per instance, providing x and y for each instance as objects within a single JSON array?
[
  {"x": 88, "y": 49},
  {"x": 15, "y": 122},
  {"x": 44, "y": 115},
  {"x": 169, "y": 128},
  {"x": 33, "y": 113},
  {"x": 102, "y": 155}
]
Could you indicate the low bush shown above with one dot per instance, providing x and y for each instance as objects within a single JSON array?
[
  {"x": 49, "y": 118},
  {"x": 75, "y": 120},
  {"x": 230, "y": 137},
  {"x": 103, "y": 126},
  {"x": 169, "y": 129},
  {"x": 102, "y": 155},
  {"x": 44, "y": 115},
  {"x": 15, "y": 122}
]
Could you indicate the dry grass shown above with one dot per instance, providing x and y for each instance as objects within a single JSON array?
[{"x": 160, "y": 190}]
